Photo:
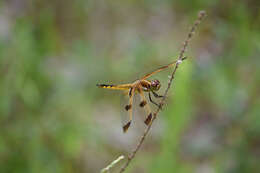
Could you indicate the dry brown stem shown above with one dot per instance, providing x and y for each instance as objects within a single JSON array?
[{"x": 181, "y": 57}]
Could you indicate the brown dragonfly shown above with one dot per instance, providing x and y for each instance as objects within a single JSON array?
[{"x": 139, "y": 87}]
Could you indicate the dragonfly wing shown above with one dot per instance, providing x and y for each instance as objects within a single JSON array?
[
  {"x": 144, "y": 104},
  {"x": 128, "y": 108},
  {"x": 158, "y": 70}
]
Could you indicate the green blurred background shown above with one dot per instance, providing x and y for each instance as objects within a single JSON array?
[{"x": 54, "y": 119}]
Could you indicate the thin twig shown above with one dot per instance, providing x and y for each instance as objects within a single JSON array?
[
  {"x": 111, "y": 165},
  {"x": 201, "y": 15}
]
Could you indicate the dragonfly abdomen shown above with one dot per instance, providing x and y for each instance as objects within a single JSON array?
[
  {"x": 115, "y": 87},
  {"x": 105, "y": 86}
]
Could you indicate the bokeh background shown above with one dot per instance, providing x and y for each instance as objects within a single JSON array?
[{"x": 54, "y": 119}]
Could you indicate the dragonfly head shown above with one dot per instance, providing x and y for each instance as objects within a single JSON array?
[{"x": 155, "y": 85}]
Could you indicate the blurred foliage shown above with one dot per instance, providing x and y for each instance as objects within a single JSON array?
[{"x": 54, "y": 119}]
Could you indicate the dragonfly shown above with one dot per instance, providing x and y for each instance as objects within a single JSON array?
[{"x": 140, "y": 86}]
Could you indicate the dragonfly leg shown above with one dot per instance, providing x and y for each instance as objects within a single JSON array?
[
  {"x": 150, "y": 98},
  {"x": 156, "y": 95}
]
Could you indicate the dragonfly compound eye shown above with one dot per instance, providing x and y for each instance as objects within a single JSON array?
[{"x": 155, "y": 85}]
